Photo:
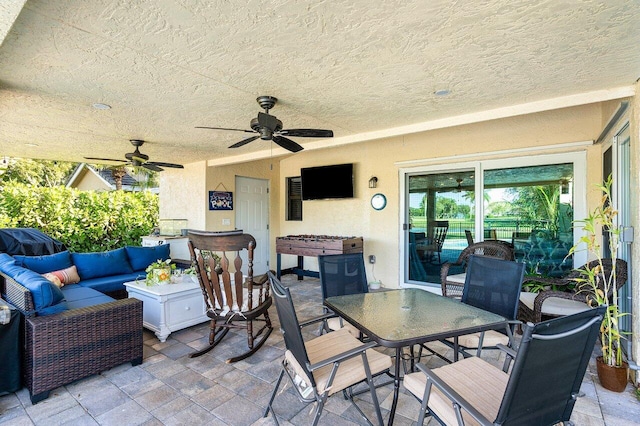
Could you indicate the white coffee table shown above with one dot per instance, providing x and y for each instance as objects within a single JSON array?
[{"x": 169, "y": 307}]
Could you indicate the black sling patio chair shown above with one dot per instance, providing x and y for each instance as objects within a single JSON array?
[
  {"x": 452, "y": 285},
  {"x": 541, "y": 389},
  {"x": 494, "y": 285},
  {"x": 325, "y": 365},
  {"x": 342, "y": 274}
]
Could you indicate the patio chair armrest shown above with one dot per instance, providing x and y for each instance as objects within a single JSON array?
[
  {"x": 444, "y": 283},
  {"x": 262, "y": 279},
  {"x": 510, "y": 355},
  {"x": 444, "y": 271},
  {"x": 544, "y": 280},
  {"x": 343, "y": 356},
  {"x": 544, "y": 295},
  {"x": 316, "y": 320},
  {"x": 454, "y": 396},
  {"x": 510, "y": 352},
  {"x": 534, "y": 314}
]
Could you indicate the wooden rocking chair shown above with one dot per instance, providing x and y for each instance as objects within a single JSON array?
[{"x": 234, "y": 298}]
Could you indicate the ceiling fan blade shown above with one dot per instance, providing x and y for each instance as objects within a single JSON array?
[
  {"x": 225, "y": 128},
  {"x": 287, "y": 144},
  {"x": 152, "y": 167},
  {"x": 307, "y": 133},
  {"x": 142, "y": 158},
  {"x": 158, "y": 163},
  {"x": 267, "y": 120},
  {"x": 104, "y": 159},
  {"x": 244, "y": 142}
]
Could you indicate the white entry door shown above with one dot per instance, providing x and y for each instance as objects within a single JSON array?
[{"x": 252, "y": 216}]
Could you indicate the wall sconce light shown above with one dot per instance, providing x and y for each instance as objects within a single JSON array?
[{"x": 373, "y": 182}]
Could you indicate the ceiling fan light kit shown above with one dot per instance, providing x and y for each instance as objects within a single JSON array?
[{"x": 270, "y": 128}]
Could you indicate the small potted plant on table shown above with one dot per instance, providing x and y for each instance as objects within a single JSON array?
[{"x": 159, "y": 272}]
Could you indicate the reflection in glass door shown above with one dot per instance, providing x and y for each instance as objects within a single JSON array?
[
  {"x": 441, "y": 212},
  {"x": 529, "y": 208}
]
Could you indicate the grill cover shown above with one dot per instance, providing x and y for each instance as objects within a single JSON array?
[{"x": 28, "y": 242}]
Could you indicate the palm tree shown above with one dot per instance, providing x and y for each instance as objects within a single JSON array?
[{"x": 118, "y": 173}]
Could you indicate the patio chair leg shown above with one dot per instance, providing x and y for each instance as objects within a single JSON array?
[
  {"x": 316, "y": 418},
  {"x": 273, "y": 396}
]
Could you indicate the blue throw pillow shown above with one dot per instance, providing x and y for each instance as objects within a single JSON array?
[
  {"x": 141, "y": 257},
  {"x": 45, "y": 263},
  {"x": 43, "y": 292},
  {"x": 101, "y": 264}
]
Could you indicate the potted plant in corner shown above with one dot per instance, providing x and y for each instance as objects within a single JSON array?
[{"x": 600, "y": 284}]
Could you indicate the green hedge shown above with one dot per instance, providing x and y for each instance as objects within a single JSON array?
[{"x": 84, "y": 221}]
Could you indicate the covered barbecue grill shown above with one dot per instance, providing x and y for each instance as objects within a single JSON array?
[{"x": 28, "y": 241}]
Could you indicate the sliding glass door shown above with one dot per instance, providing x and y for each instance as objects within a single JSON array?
[
  {"x": 528, "y": 203},
  {"x": 440, "y": 205}
]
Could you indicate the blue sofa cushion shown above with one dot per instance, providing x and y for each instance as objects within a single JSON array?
[
  {"x": 43, "y": 292},
  {"x": 55, "y": 309},
  {"x": 111, "y": 283},
  {"x": 45, "y": 263},
  {"x": 81, "y": 297},
  {"x": 101, "y": 264},
  {"x": 5, "y": 258},
  {"x": 141, "y": 257}
]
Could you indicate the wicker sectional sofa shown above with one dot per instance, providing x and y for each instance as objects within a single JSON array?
[{"x": 74, "y": 331}]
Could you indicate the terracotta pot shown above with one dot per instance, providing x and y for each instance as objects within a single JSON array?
[{"x": 612, "y": 378}]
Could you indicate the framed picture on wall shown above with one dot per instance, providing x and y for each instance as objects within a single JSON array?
[{"x": 220, "y": 200}]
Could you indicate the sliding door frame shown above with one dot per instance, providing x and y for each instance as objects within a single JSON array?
[{"x": 479, "y": 166}]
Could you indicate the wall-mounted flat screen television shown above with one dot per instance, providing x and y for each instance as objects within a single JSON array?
[{"x": 323, "y": 182}]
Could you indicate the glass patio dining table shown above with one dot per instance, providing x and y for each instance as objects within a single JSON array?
[{"x": 406, "y": 317}]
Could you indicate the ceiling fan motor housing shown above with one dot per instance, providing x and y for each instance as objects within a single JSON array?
[
  {"x": 266, "y": 133},
  {"x": 136, "y": 155}
]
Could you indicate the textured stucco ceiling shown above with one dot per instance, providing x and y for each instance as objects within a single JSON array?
[{"x": 364, "y": 69}]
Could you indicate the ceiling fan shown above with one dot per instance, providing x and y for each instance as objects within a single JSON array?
[
  {"x": 269, "y": 127},
  {"x": 138, "y": 159}
]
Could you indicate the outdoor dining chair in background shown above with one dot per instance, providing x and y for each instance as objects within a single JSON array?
[
  {"x": 325, "y": 365},
  {"x": 432, "y": 246},
  {"x": 452, "y": 284},
  {"x": 558, "y": 300},
  {"x": 494, "y": 285},
  {"x": 342, "y": 274},
  {"x": 541, "y": 389}
]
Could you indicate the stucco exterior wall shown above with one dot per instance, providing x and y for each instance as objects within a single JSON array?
[
  {"x": 220, "y": 177},
  {"x": 381, "y": 229},
  {"x": 183, "y": 194}
]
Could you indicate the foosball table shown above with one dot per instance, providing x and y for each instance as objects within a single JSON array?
[{"x": 314, "y": 245}]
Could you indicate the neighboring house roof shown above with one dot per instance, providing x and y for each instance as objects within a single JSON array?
[
  {"x": 86, "y": 177},
  {"x": 127, "y": 180}
]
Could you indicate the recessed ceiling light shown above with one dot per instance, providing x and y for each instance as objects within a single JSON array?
[
  {"x": 31, "y": 144},
  {"x": 101, "y": 106},
  {"x": 442, "y": 92}
]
